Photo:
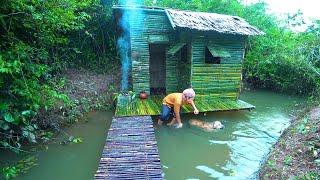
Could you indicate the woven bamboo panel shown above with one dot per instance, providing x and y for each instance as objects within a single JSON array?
[
  {"x": 143, "y": 26},
  {"x": 171, "y": 74},
  {"x": 219, "y": 80}
]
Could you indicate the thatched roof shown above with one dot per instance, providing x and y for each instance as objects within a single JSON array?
[
  {"x": 202, "y": 21},
  {"x": 211, "y": 22}
]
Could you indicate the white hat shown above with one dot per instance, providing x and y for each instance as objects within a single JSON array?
[{"x": 189, "y": 93}]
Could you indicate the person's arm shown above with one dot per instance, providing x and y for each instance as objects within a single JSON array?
[
  {"x": 195, "y": 110},
  {"x": 176, "y": 109}
]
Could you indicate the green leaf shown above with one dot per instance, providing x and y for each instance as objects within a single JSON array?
[
  {"x": 77, "y": 140},
  {"x": 3, "y": 107},
  {"x": 29, "y": 128},
  {"x": 233, "y": 172},
  {"x": 71, "y": 138},
  {"x": 10, "y": 172},
  {"x": 4, "y": 144},
  {"x": 8, "y": 117},
  {"x": 3, "y": 22},
  {"x": 26, "y": 113},
  {"x": 48, "y": 134},
  {"x": 4, "y": 125},
  {"x": 25, "y": 133},
  {"x": 32, "y": 137}
]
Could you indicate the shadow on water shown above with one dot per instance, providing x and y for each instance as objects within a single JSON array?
[{"x": 234, "y": 152}]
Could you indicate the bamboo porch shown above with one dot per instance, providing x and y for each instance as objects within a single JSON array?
[
  {"x": 127, "y": 106},
  {"x": 130, "y": 151}
]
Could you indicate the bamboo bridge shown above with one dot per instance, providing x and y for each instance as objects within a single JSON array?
[{"x": 130, "y": 151}]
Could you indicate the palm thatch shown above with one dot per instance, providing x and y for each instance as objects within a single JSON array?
[
  {"x": 202, "y": 21},
  {"x": 211, "y": 22}
]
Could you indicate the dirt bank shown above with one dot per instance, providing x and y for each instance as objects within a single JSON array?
[
  {"x": 297, "y": 153},
  {"x": 87, "y": 91}
]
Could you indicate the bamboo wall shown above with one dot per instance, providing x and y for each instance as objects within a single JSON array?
[
  {"x": 171, "y": 74},
  {"x": 178, "y": 70},
  {"x": 143, "y": 25},
  {"x": 217, "y": 80},
  {"x": 214, "y": 80},
  {"x": 184, "y": 68}
]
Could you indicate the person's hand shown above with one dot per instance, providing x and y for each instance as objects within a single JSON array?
[
  {"x": 196, "y": 111},
  {"x": 178, "y": 125}
]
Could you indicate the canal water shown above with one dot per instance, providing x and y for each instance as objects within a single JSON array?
[
  {"x": 234, "y": 152},
  {"x": 71, "y": 161}
]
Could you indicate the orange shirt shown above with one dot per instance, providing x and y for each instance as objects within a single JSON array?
[{"x": 173, "y": 100}]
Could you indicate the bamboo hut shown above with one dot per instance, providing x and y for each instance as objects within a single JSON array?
[{"x": 171, "y": 50}]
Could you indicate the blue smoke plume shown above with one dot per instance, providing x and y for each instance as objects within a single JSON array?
[{"x": 123, "y": 41}]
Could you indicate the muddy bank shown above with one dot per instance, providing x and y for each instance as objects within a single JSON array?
[
  {"x": 297, "y": 153},
  {"x": 86, "y": 91}
]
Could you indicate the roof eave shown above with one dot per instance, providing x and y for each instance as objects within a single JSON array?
[
  {"x": 230, "y": 33},
  {"x": 170, "y": 20},
  {"x": 142, "y": 8}
]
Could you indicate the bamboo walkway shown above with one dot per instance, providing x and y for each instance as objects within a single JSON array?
[
  {"x": 131, "y": 150},
  {"x": 152, "y": 105}
]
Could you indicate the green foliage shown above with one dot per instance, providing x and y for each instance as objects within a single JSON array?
[
  {"x": 309, "y": 176},
  {"x": 38, "y": 39},
  {"x": 20, "y": 167},
  {"x": 271, "y": 164},
  {"x": 45, "y": 136},
  {"x": 9, "y": 172},
  {"x": 303, "y": 126},
  {"x": 287, "y": 160},
  {"x": 77, "y": 140},
  {"x": 284, "y": 64},
  {"x": 95, "y": 43},
  {"x": 72, "y": 140}
]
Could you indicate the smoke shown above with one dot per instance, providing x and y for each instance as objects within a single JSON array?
[
  {"x": 123, "y": 47},
  {"x": 123, "y": 41}
]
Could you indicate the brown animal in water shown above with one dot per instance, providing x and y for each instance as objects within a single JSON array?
[{"x": 207, "y": 126}]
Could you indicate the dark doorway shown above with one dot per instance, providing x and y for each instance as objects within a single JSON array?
[
  {"x": 157, "y": 69},
  {"x": 184, "y": 68}
]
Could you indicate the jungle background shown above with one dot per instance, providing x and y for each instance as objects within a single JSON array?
[{"x": 47, "y": 46}]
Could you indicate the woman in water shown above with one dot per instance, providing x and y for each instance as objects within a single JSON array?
[{"x": 171, "y": 106}]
